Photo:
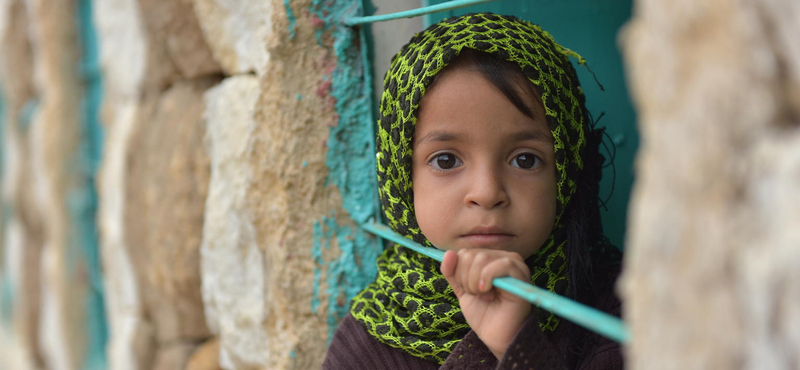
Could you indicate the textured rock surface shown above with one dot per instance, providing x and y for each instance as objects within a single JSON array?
[
  {"x": 54, "y": 135},
  {"x": 712, "y": 260},
  {"x": 23, "y": 236},
  {"x": 205, "y": 357},
  {"x": 165, "y": 195},
  {"x": 154, "y": 179},
  {"x": 173, "y": 356},
  {"x": 123, "y": 60},
  {"x": 233, "y": 265},
  {"x": 236, "y": 31},
  {"x": 176, "y": 47},
  {"x": 268, "y": 143},
  {"x": 246, "y": 210}
]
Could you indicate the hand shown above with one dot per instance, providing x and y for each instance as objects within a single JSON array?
[{"x": 494, "y": 314}]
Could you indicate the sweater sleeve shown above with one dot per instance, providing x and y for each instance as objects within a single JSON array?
[
  {"x": 532, "y": 349},
  {"x": 352, "y": 348},
  {"x": 470, "y": 354}
]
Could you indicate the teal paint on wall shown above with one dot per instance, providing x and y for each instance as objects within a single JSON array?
[
  {"x": 6, "y": 301},
  {"x": 6, "y": 289},
  {"x": 346, "y": 275},
  {"x": 316, "y": 256},
  {"x": 26, "y": 114},
  {"x": 292, "y": 19},
  {"x": 351, "y": 164},
  {"x": 590, "y": 28},
  {"x": 82, "y": 199},
  {"x": 351, "y": 150}
]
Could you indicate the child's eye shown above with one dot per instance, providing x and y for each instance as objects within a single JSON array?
[
  {"x": 526, "y": 161},
  {"x": 445, "y": 161}
]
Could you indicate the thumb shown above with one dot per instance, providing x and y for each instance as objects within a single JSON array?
[{"x": 448, "y": 268}]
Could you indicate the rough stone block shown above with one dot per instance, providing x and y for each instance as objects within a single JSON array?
[
  {"x": 124, "y": 50},
  {"x": 205, "y": 357},
  {"x": 174, "y": 47},
  {"x": 274, "y": 218},
  {"x": 173, "y": 357},
  {"x": 167, "y": 182},
  {"x": 22, "y": 235},
  {"x": 711, "y": 263},
  {"x": 236, "y": 32},
  {"x": 235, "y": 283}
]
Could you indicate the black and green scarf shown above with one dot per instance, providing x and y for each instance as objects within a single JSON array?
[{"x": 410, "y": 305}]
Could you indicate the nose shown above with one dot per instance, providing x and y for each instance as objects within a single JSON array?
[{"x": 487, "y": 189}]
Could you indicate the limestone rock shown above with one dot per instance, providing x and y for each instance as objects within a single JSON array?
[
  {"x": 205, "y": 357},
  {"x": 124, "y": 51},
  {"x": 233, "y": 265},
  {"x": 23, "y": 234},
  {"x": 176, "y": 48},
  {"x": 264, "y": 266},
  {"x": 123, "y": 48},
  {"x": 711, "y": 264},
  {"x": 173, "y": 357},
  {"x": 167, "y": 183},
  {"x": 236, "y": 32},
  {"x": 54, "y": 134}
]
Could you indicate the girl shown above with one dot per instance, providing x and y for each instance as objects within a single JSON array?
[{"x": 484, "y": 150}]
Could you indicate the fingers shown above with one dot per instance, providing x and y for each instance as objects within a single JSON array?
[
  {"x": 472, "y": 270},
  {"x": 448, "y": 268},
  {"x": 506, "y": 266},
  {"x": 449, "y": 263}
]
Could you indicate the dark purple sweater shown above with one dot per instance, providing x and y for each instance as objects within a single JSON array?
[{"x": 352, "y": 348}]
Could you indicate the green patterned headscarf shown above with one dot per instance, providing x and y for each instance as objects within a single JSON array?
[{"x": 410, "y": 305}]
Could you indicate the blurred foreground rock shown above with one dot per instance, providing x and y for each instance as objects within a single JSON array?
[{"x": 712, "y": 261}]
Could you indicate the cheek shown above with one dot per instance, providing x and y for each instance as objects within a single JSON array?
[
  {"x": 428, "y": 208},
  {"x": 541, "y": 203},
  {"x": 552, "y": 195},
  {"x": 422, "y": 201}
]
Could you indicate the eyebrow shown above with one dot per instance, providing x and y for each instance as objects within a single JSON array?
[
  {"x": 438, "y": 136},
  {"x": 536, "y": 135}
]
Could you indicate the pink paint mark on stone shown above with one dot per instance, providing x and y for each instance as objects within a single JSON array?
[
  {"x": 324, "y": 89},
  {"x": 316, "y": 22}
]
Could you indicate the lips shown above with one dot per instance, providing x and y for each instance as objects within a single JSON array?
[
  {"x": 487, "y": 230},
  {"x": 487, "y": 236}
]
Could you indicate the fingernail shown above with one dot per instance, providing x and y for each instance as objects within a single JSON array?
[{"x": 481, "y": 284}]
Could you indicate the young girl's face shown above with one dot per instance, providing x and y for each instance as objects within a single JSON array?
[{"x": 483, "y": 172}]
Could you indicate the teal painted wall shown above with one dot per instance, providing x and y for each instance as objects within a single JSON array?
[
  {"x": 6, "y": 289},
  {"x": 82, "y": 200},
  {"x": 590, "y": 28},
  {"x": 351, "y": 164}
]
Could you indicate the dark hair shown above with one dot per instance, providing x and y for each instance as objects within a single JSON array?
[{"x": 582, "y": 226}]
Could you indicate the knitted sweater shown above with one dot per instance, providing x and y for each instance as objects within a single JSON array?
[{"x": 352, "y": 348}]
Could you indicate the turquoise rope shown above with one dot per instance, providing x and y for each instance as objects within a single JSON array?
[
  {"x": 583, "y": 315},
  {"x": 450, "y": 5}
]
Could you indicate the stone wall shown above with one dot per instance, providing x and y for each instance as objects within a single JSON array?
[
  {"x": 153, "y": 179},
  {"x": 47, "y": 288},
  {"x": 236, "y": 162},
  {"x": 712, "y": 260},
  {"x": 224, "y": 241},
  {"x": 23, "y": 234}
]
